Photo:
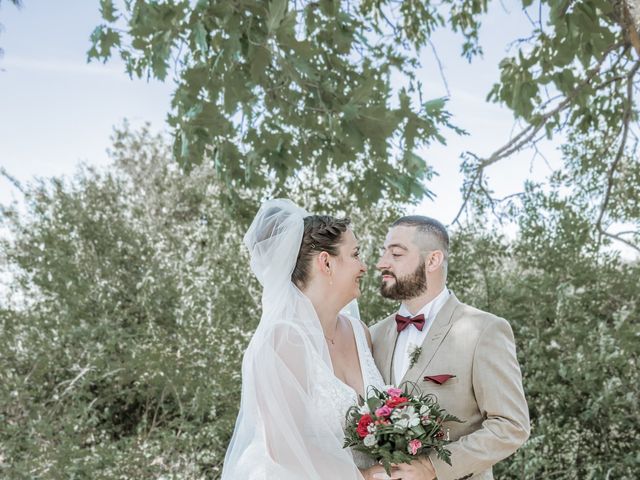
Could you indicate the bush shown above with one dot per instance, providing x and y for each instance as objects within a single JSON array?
[
  {"x": 130, "y": 306},
  {"x": 574, "y": 310}
]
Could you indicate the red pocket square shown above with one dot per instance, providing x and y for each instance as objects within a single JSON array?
[{"x": 439, "y": 379}]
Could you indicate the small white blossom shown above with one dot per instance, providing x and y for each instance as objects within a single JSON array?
[{"x": 370, "y": 440}]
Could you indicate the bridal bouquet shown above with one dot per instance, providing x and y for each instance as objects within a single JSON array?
[{"x": 394, "y": 426}]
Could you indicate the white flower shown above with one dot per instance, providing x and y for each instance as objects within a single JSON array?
[
  {"x": 364, "y": 409},
  {"x": 370, "y": 440},
  {"x": 423, "y": 410},
  {"x": 405, "y": 417}
]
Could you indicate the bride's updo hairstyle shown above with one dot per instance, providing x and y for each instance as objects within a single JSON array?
[{"x": 322, "y": 233}]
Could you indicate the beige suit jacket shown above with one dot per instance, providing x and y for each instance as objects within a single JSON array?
[{"x": 478, "y": 348}]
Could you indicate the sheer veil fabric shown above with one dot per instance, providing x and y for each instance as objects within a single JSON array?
[{"x": 281, "y": 431}]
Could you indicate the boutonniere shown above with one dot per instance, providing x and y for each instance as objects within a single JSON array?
[{"x": 414, "y": 355}]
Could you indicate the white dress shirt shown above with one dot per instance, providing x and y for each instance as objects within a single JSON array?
[{"x": 411, "y": 337}]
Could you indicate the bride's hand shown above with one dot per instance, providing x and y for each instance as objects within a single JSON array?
[{"x": 377, "y": 473}]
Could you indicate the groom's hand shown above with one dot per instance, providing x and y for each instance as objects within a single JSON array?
[{"x": 419, "y": 469}]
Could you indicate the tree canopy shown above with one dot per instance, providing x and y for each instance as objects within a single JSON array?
[
  {"x": 577, "y": 75},
  {"x": 267, "y": 89}
]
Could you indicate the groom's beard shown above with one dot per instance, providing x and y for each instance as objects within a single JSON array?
[{"x": 406, "y": 288}]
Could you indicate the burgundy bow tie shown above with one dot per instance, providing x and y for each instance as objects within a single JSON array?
[{"x": 404, "y": 322}]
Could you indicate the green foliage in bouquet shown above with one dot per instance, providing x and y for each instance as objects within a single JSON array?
[{"x": 393, "y": 426}]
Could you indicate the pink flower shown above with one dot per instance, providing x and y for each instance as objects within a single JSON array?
[
  {"x": 394, "y": 392},
  {"x": 414, "y": 446},
  {"x": 383, "y": 411}
]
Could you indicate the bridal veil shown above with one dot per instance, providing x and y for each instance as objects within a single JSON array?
[{"x": 282, "y": 433}]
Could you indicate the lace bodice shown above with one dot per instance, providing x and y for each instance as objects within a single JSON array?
[{"x": 337, "y": 397}]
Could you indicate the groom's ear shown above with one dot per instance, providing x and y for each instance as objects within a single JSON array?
[{"x": 434, "y": 260}]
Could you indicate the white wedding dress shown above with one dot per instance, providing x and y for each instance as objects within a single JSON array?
[
  {"x": 292, "y": 407},
  {"x": 337, "y": 397}
]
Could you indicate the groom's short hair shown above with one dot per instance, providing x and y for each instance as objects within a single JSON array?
[{"x": 436, "y": 233}]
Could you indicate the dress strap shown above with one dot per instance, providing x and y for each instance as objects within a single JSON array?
[
  {"x": 361, "y": 337},
  {"x": 367, "y": 364}
]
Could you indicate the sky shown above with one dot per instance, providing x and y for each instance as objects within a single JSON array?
[{"x": 56, "y": 110}]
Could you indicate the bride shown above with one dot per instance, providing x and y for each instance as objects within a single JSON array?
[{"x": 307, "y": 362}]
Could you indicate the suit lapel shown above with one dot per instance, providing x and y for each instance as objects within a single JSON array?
[
  {"x": 391, "y": 336},
  {"x": 438, "y": 331}
]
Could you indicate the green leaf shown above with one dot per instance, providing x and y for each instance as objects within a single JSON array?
[
  {"x": 287, "y": 29},
  {"x": 201, "y": 37},
  {"x": 184, "y": 144},
  {"x": 405, "y": 101},
  {"x": 277, "y": 9},
  {"x": 373, "y": 403},
  {"x": 103, "y": 39},
  {"x": 362, "y": 93},
  {"x": 259, "y": 62},
  {"x": 108, "y": 11},
  {"x": 196, "y": 77},
  {"x": 350, "y": 112},
  {"x": 434, "y": 106}
]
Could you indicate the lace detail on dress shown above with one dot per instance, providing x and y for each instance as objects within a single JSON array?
[
  {"x": 370, "y": 373},
  {"x": 371, "y": 377},
  {"x": 336, "y": 397}
]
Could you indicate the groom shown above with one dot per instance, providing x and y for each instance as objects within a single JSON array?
[{"x": 465, "y": 356}]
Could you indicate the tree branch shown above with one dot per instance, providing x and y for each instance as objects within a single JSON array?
[
  {"x": 440, "y": 68},
  {"x": 623, "y": 142},
  {"x": 528, "y": 134},
  {"x": 14, "y": 181},
  {"x": 468, "y": 191},
  {"x": 618, "y": 237}
]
